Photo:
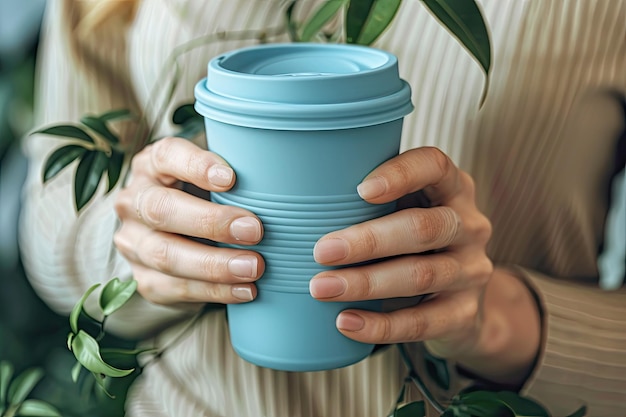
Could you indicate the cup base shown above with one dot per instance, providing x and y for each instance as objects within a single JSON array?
[
  {"x": 294, "y": 332},
  {"x": 297, "y": 365}
]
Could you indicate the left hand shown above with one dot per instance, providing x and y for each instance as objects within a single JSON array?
[{"x": 439, "y": 250}]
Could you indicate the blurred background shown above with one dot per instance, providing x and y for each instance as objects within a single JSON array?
[{"x": 31, "y": 335}]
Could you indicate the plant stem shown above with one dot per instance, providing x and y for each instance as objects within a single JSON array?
[{"x": 418, "y": 381}]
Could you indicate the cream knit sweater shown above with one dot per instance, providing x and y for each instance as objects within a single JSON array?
[{"x": 540, "y": 149}]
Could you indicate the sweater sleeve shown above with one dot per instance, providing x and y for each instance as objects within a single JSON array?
[
  {"x": 63, "y": 252},
  {"x": 583, "y": 358}
]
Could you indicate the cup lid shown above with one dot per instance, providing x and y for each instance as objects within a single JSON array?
[{"x": 304, "y": 86}]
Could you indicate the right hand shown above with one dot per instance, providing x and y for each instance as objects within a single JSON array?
[{"x": 158, "y": 219}]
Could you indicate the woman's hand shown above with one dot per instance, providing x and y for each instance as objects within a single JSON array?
[
  {"x": 439, "y": 250},
  {"x": 158, "y": 219}
]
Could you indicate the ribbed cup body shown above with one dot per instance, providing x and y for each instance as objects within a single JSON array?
[{"x": 301, "y": 183}]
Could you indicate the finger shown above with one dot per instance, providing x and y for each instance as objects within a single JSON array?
[
  {"x": 175, "y": 159},
  {"x": 434, "y": 319},
  {"x": 407, "y": 231},
  {"x": 426, "y": 168},
  {"x": 405, "y": 276},
  {"x": 181, "y": 257},
  {"x": 161, "y": 288},
  {"x": 175, "y": 211}
]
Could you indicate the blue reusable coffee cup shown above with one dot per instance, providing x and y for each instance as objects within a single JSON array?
[{"x": 301, "y": 125}]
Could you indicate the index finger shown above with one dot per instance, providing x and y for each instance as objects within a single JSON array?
[
  {"x": 172, "y": 159},
  {"x": 427, "y": 169}
]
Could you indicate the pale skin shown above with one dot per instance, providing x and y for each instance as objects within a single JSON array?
[{"x": 483, "y": 317}]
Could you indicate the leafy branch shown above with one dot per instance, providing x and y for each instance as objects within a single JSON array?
[
  {"x": 97, "y": 149},
  {"x": 102, "y": 362}
]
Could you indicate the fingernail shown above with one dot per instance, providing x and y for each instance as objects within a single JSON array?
[
  {"x": 246, "y": 229},
  {"x": 220, "y": 175},
  {"x": 244, "y": 266},
  {"x": 242, "y": 293},
  {"x": 372, "y": 188},
  {"x": 350, "y": 321},
  {"x": 330, "y": 250},
  {"x": 327, "y": 287}
]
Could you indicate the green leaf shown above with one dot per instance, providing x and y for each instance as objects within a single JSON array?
[
  {"x": 87, "y": 177},
  {"x": 321, "y": 17},
  {"x": 67, "y": 131},
  {"x": 114, "y": 169},
  {"x": 520, "y": 406},
  {"x": 78, "y": 308},
  {"x": 291, "y": 23},
  {"x": 23, "y": 384},
  {"x": 356, "y": 16},
  {"x": 115, "y": 294},
  {"x": 488, "y": 403},
  {"x": 6, "y": 372},
  {"x": 87, "y": 352},
  {"x": 488, "y": 409},
  {"x": 99, "y": 127},
  {"x": 185, "y": 113},
  {"x": 581, "y": 412},
  {"x": 437, "y": 369},
  {"x": 116, "y": 115},
  {"x": 75, "y": 373},
  {"x": 414, "y": 409},
  {"x": 61, "y": 158},
  {"x": 37, "y": 408},
  {"x": 380, "y": 16},
  {"x": 465, "y": 22},
  {"x": 125, "y": 358}
]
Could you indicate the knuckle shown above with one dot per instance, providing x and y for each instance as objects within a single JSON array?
[
  {"x": 182, "y": 291},
  {"x": 451, "y": 225},
  {"x": 196, "y": 165},
  {"x": 210, "y": 292},
  {"x": 442, "y": 161},
  {"x": 161, "y": 151},
  {"x": 485, "y": 230},
  {"x": 425, "y": 227},
  {"x": 424, "y": 276},
  {"x": 471, "y": 311},
  {"x": 383, "y": 331},
  {"x": 208, "y": 224},
  {"x": 401, "y": 169},
  {"x": 147, "y": 289},
  {"x": 468, "y": 184},
  {"x": 120, "y": 205},
  {"x": 435, "y": 228},
  {"x": 160, "y": 254},
  {"x": 155, "y": 206},
  {"x": 417, "y": 327},
  {"x": 366, "y": 288},
  {"x": 120, "y": 243},
  {"x": 368, "y": 242},
  {"x": 138, "y": 162},
  {"x": 484, "y": 271},
  {"x": 478, "y": 227},
  {"x": 210, "y": 266}
]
